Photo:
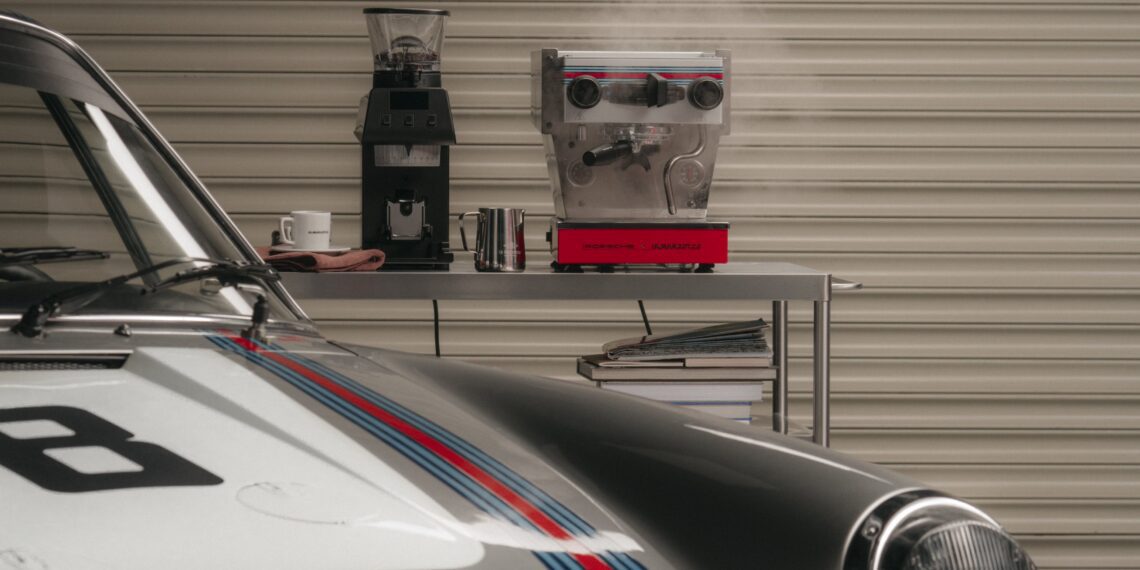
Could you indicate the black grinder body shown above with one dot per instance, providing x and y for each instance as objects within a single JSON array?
[{"x": 405, "y": 150}]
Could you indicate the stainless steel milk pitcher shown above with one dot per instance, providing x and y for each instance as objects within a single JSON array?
[{"x": 499, "y": 242}]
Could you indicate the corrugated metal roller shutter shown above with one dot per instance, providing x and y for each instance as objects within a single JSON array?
[{"x": 975, "y": 164}]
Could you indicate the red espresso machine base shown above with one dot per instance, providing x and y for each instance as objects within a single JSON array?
[{"x": 701, "y": 243}]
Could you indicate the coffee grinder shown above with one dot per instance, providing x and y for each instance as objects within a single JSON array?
[{"x": 405, "y": 128}]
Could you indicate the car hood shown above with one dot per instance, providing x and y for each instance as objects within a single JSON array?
[{"x": 205, "y": 449}]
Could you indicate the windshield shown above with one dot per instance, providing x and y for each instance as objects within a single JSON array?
[{"x": 79, "y": 174}]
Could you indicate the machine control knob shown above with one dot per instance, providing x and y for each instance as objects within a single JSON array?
[
  {"x": 584, "y": 92},
  {"x": 656, "y": 90},
  {"x": 706, "y": 93}
]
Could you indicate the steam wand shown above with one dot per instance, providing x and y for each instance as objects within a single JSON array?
[{"x": 669, "y": 199}]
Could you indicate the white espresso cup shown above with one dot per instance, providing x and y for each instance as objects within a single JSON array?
[{"x": 306, "y": 229}]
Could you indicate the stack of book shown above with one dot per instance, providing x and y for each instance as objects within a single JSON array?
[{"x": 719, "y": 369}]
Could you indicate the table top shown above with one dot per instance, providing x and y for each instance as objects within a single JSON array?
[{"x": 763, "y": 280}]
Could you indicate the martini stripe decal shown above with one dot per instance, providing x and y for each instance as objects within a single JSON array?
[
  {"x": 556, "y": 510},
  {"x": 474, "y": 475},
  {"x": 431, "y": 463}
]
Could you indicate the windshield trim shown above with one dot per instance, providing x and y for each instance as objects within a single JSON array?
[
  {"x": 98, "y": 177},
  {"x": 161, "y": 146}
]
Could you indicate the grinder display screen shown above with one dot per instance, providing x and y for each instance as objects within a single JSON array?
[{"x": 408, "y": 100}]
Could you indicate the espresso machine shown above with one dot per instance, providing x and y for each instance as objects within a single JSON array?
[
  {"x": 404, "y": 127},
  {"x": 631, "y": 141}
]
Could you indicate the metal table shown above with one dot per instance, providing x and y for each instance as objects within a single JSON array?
[{"x": 778, "y": 282}]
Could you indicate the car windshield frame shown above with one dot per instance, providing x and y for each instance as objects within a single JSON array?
[{"x": 38, "y": 58}]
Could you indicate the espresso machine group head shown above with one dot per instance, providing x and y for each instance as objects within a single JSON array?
[
  {"x": 405, "y": 129},
  {"x": 631, "y": 141}
]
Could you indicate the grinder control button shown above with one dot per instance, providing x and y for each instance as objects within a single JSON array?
[
  {"x": 386, "y": 120},
  {"x": 431, "y": 120},
  {"x": 584, "y": 92},
  {"x": 706, "y": 93},
  {"x": 409, "y": 120}
]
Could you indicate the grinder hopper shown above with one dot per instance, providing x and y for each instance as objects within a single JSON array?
[{"x": 405, "y": 39}]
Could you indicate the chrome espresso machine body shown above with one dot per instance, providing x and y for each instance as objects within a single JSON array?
[
  {"x": 405, "y": 129},
  {"x": 631, "y": 141}
]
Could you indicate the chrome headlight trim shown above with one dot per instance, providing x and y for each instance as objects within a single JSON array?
[
  {"x": 904, "y": 514},
  {"x": 918, "y": 522}
]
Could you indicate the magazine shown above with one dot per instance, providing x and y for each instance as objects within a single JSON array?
[{"x": 744, "y": 339}]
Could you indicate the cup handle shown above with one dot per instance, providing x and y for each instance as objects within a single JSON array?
[
  {"x": 286, "y": 227},
  {"x": 462, "y": 233}
]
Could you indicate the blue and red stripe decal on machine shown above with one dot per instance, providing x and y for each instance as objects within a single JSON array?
[
  {"x": 481, "y": 479},
  {"x": 636, "y": 74},
  {"x": 639, "y": 75}
]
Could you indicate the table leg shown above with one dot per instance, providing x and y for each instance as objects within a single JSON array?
[
  {"x": 821, "y": 388},
  {"x": 780, "y": 359}
]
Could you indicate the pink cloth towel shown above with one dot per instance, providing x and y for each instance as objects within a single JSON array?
[{"x": 352, "y": 260}]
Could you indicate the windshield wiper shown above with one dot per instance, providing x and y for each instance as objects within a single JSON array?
[
  {"x": 34, "y": 255},
  {"x": 227, "y": 272}
]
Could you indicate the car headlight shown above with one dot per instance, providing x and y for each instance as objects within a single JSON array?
[{"x": 919, "y": 531}]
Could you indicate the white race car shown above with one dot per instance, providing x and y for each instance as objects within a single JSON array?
[{"x": 165, "y": 404}]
